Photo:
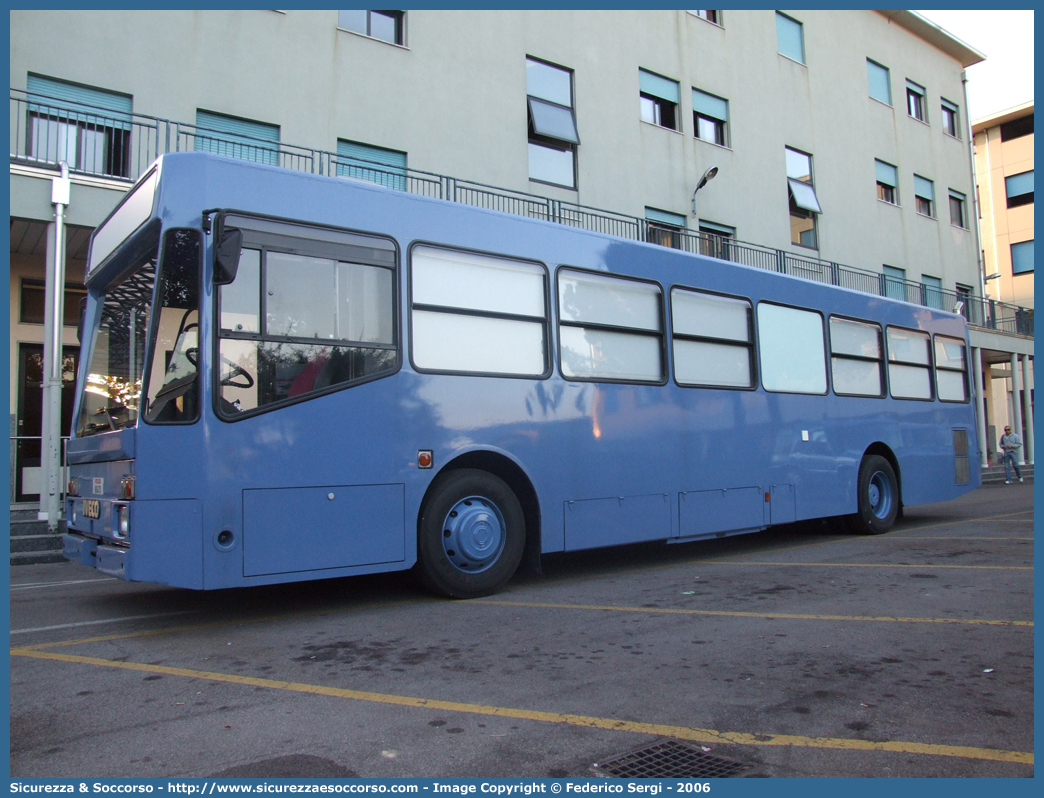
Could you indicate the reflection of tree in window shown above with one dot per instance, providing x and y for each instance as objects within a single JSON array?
[{"x": 327, "y": 322}]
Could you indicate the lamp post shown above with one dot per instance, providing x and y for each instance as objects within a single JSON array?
[{"x": 709, "y": 175}]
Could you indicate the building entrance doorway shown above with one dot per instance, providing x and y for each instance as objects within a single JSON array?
[{"x": 28, "y": 475}]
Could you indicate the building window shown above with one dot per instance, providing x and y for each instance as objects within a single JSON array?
[
  {"x": 658, "y": 98},
  {"x": 237, "y": 138},
  {"x": 713, "y": 339},
  {"x": 715, "y": 238},
  {"x": 388, "y": 26},
  {"x": 924, "y": 191},
  {"x": 664, "y": 228},
  {"x": 931, "y": 292},
  {"x": 951, "y": 117},
  {"x": 31, "y": 307},
  {"x": 710, "y": 16},
  {"x": 958, "y": 209},
  {"x": 804, "y": 205},
  {"x": 710, "y": 118},
  {"x": 553, "y": 136},
  {"x": 887, "y": 182},
  {"x": 375, "y": 164},
  {"x": 916, "y": 105},
  {"x": 1022, "y": 257},
  {"x": 88, "y": 128},
  {"x": 1017, "y": 128},
  {"x": 880, "y": 82},
  {"x": 963, "y": 304},
  {"x": 790, "y": 38},
  {"x": 1019, "y": 189},
  {"x": 894, "y": 282}
]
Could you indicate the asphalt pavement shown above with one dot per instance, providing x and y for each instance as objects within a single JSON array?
[{"x": 798, "y": 651}]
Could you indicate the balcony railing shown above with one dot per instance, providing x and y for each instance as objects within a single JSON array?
[{"x": 122, "y": 146}]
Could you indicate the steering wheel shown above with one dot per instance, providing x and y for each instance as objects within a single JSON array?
[{"x": 237, "y": 371}]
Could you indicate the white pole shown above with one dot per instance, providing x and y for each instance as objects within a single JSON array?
[{"x": 54, "y": 299}]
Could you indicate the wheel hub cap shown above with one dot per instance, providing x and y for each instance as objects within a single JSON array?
[
  {"x": 473, "y": 534},
  {"x": 880, "y": 495}
]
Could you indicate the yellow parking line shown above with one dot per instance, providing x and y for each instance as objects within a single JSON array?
[
  {"x": 611, "y": 724},
  {"x": 736, "y": 614}
]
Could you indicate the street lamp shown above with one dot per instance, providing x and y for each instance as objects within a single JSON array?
[{"x": 709, "y": 175}]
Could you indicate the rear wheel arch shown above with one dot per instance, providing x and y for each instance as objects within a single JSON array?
[{"x": 885, "y": 451}]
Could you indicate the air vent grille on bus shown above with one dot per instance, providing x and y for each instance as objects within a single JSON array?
[{"x": 962, "y": 465}]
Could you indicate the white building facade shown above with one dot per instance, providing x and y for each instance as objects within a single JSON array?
[{"x": 838, "y": 137}]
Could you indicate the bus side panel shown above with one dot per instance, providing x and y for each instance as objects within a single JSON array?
[
  {"x": 309, "y": 529},
  {"x": 625, "y": 519},
  {"x": 167, "y": 543}
]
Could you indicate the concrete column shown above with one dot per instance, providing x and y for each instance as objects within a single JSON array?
[
  {"x": 1016, "y": 406},
  {"x": 1027, "y": 409},
  {"x": 980, "y": 405}
]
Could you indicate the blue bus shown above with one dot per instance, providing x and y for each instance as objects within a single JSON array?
[{"x": 291, "y": 377}]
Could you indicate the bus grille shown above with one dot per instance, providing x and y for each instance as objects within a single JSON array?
[{"x": 961, "y": 463}]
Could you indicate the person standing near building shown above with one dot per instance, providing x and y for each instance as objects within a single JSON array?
[{"x": 1010, "y": 444}]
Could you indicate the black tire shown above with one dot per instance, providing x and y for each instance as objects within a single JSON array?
[
  {"x": 470, "y": 534},
  {"x": 879, "y": 500}
]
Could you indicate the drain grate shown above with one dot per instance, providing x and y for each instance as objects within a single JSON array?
[{"x": 669, "y": 759}]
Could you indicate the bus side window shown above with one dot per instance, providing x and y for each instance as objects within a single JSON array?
[
  {"x": 793, "y": 358},
  {"x": 295, "y": 324},
  {"x": 713, "y": 340},
  {"x": 951, "y": 369},
  {"x": 909, "y": 364},
  {"x": 477, "y": 314},
  {"x": 173, "y": 392},
  {"x": 856, "y": 358},
  {"x": 610, "y": 328}
]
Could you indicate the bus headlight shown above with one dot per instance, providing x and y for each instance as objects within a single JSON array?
[
  {"x": 73, "y": 488},
  {"x": 122, "y": 529}
]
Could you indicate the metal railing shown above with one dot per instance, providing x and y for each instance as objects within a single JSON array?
[{"x": 122, "y": 146}]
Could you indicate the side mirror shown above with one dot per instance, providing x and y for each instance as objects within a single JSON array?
[{"x": 227, "y": 248}]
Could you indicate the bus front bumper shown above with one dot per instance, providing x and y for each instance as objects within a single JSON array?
[{"x": 109, "y": 560}]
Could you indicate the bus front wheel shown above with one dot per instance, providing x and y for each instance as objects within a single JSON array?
[
  {"x": 878, "y": 497},
  {"x": 470, "y": 535}
]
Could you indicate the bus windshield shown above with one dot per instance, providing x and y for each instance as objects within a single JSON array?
[
  {"x": 112, "y": 395},
  {"x": 112, "y": 390}
]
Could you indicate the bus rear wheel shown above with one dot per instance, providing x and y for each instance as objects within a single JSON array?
[
  {"x": 470, "y": 535},
  {"x": 878, "y": 497}
]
